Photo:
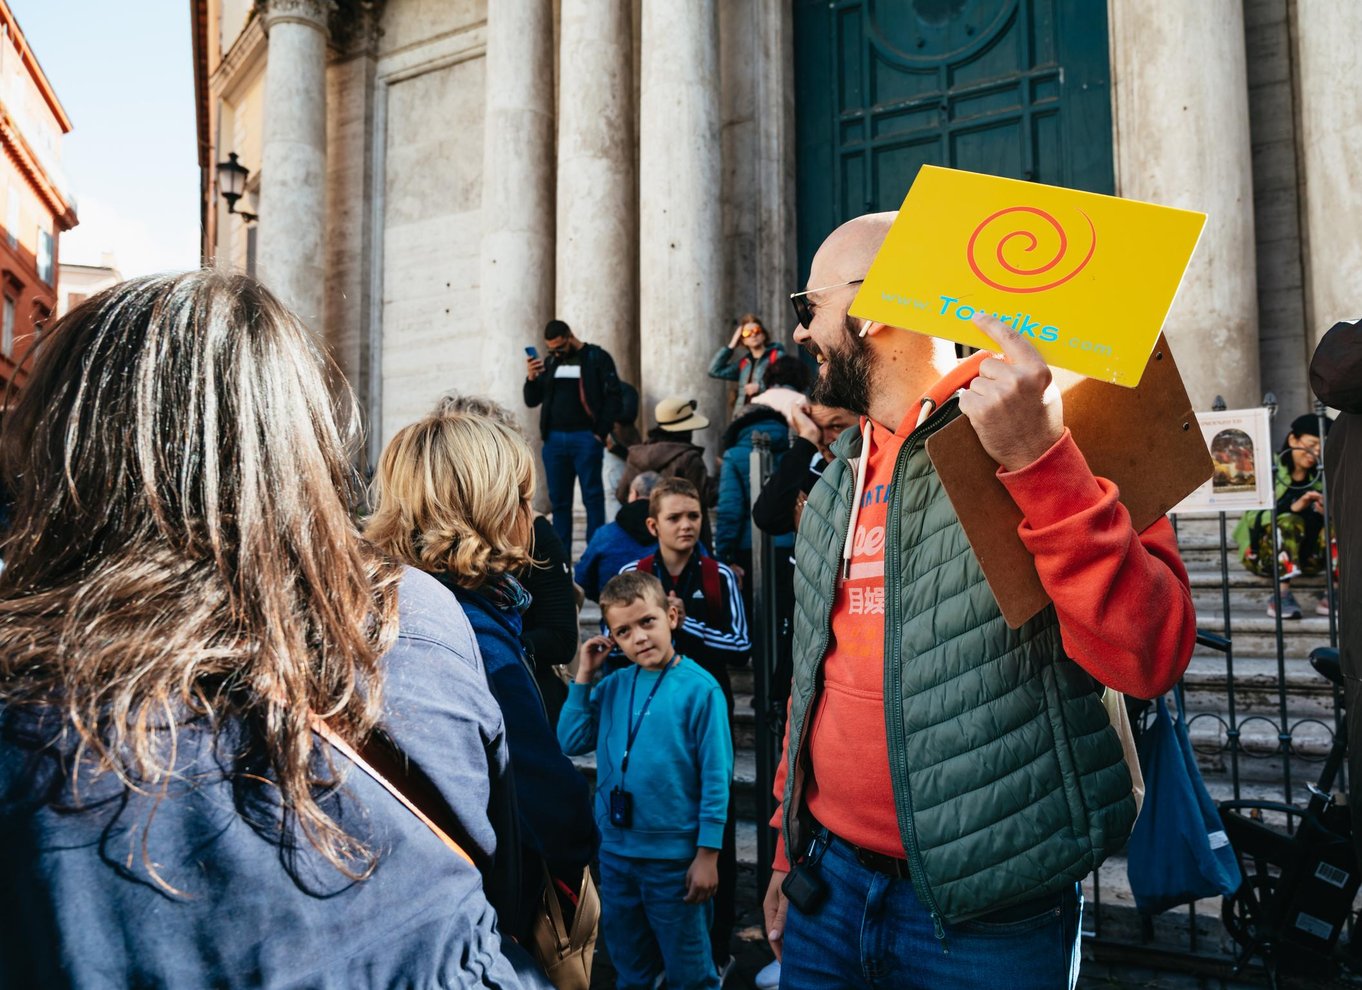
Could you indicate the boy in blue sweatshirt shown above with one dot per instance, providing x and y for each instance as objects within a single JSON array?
[{"x": 664, "y": 761}]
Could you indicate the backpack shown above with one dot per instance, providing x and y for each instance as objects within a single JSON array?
[
  {"x": 770, "y": 359},
  {"x": 711, "y": 583}
]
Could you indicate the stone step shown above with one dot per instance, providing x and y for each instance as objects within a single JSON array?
[{"x": 1256, "y": 635}]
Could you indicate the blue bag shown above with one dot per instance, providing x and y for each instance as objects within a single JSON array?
[{"x": 1178, "y": 851}]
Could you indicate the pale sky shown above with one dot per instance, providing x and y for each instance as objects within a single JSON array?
[{"x": 124, "y": 73}]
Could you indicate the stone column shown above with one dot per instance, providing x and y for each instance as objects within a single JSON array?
[
  {"x": 1182, "y": 139},
  {"x": 680, "y": 219},
  {"x": 597, "y": 208},
  {"x": 515, "y": 292},
  {"x": 1330, "y": 107},
  {"x": 349, "y": 251},
  {"x": 293, "y": 157}
]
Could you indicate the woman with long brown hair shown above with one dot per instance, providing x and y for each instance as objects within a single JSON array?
[{"x": 185, "y": 604}]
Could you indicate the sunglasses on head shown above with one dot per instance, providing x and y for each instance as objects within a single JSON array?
[{"x": 804, "y": 308}]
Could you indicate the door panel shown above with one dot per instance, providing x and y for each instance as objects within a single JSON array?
[{"x": 1018, "y": 88}]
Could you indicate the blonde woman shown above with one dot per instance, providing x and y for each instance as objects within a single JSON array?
[
  {"x": 550, "y": 623},
  {"x": 184, "y": 598},
  {"x": 452, "y": 497}
]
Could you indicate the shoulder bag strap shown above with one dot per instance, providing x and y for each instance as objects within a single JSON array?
[{"x": 330, "y": 735}]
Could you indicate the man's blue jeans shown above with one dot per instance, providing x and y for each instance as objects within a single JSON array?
[
  {"x": 649, "y": 928},
  {"x": 872, "y": 931},
  {"x": 570, "y": 456}
]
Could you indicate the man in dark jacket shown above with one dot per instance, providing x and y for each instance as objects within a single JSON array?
[
  {"x": 1336, "y": 377},
  {"x": 578, "y": 394}
]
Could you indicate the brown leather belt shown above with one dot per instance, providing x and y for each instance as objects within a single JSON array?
[{"x": 878, "y": 862}]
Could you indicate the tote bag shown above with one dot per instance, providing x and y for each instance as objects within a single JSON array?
[{"x": 1178, "y": 851}]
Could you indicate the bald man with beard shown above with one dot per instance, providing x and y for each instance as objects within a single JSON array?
[{"x": 948, "y": 782}]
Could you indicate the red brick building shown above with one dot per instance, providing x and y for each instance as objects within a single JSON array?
[{"x": 35, "y": 204}]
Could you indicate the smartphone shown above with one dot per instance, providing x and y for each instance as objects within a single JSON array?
[{"x": 532, "y": 353}]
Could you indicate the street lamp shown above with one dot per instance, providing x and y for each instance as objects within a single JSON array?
[{"x": 232, "y": 184}]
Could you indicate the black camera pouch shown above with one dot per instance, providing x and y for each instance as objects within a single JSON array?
[
  {"x": 805, "y": 888},
  {"x": 804, "y": 885},
  {"x": 621, "y": 808}
]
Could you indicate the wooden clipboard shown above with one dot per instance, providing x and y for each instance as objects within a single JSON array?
[{"x": 1144, "y": 439}]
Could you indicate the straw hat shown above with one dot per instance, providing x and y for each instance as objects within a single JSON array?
[{"x": 676, "y": 415}]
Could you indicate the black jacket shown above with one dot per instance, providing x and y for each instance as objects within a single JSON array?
[
  {"x": 795, "y": 475},
  {"x": 599, "y": 384},
  {"x": 550, "y": 633},
  {"x": 1336, "y": 377}
]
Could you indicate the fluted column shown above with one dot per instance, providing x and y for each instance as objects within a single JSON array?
[
  {"x": 516, "y": 287},
  {"x": 597, "y": 208},
  {"x": 680, "y": 218},
  {"x": 293, "y": 156},
  {"x": 1330, "y": 102},
  {"x": 1182, "y": 139}
]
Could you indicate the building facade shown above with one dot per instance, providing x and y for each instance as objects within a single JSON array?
[
  {"x": 435, "y": 179},
  {"x": 79, "y": 282},
  {"x": 34, "y": 197}
]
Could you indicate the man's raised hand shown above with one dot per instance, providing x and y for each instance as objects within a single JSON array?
[{"x": 1014, "y": 404}]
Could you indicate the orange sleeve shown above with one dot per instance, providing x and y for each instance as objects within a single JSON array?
[
  {"x": 781, "y": 860},
  {"x": 1123, "y": 599}
]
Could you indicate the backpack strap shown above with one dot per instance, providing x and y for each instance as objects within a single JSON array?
[
  {"x": 711, "y": 583},
  {"x": 340, "y": 745}
]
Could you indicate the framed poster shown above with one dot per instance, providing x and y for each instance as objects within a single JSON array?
[{"x": 1242, "y": 461}]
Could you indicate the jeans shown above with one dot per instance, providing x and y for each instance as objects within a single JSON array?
[
  {"x": 648, "y": 927},
  {"x": 574, "y": 455},
  {"x": 872, "y": 931}
]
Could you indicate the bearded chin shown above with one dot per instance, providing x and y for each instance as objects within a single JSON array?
[{"x": 845, "y": 380}]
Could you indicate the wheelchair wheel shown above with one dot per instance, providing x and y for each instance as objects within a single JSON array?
[{"x": 1242, "y": 910}]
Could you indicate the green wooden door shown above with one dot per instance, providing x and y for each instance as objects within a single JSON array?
[{"x": 1018, "y": 88}]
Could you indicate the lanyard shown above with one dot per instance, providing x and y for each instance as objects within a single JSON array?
[{"x": 634, "y": 726}]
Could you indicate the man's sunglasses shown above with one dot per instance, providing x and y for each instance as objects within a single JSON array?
[{"x": 804, "y": 309}]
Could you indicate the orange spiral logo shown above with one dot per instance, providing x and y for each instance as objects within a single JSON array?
[{"x": 1023, "y": 276}]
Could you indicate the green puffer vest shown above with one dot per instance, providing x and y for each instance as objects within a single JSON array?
[{"x": 1008, "y": 779}]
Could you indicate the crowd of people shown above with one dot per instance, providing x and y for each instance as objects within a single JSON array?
[{"x": 261, "y": 727}]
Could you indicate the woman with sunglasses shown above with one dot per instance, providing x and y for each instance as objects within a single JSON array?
[
  {"x": 750, "y": 370},
  {"x": 1302, "y": 542}
]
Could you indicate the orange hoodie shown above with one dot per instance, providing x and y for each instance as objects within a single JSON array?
[{"x": 1122, "y": 598}]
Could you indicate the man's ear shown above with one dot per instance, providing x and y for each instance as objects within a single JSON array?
[
  {"x": 870, "y": 328},
  {"x": 652, "y": 525}
]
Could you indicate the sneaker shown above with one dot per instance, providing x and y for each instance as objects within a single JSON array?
[
  {"x": 1291, "y": 608},
  {"x": 1287, "y": 569},
  {"x": 1322, "y": 605},
  {"x": 769, "y": 976},
  {"x": 725, "y": 969}
]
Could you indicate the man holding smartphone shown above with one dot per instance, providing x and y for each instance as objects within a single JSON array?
[{"x": 577, "y": 391}]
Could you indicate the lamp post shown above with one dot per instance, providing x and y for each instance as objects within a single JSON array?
[{"x": 232, "y": 185}]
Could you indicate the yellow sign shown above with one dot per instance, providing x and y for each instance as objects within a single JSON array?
[{"x": 1087, "y": 279}]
